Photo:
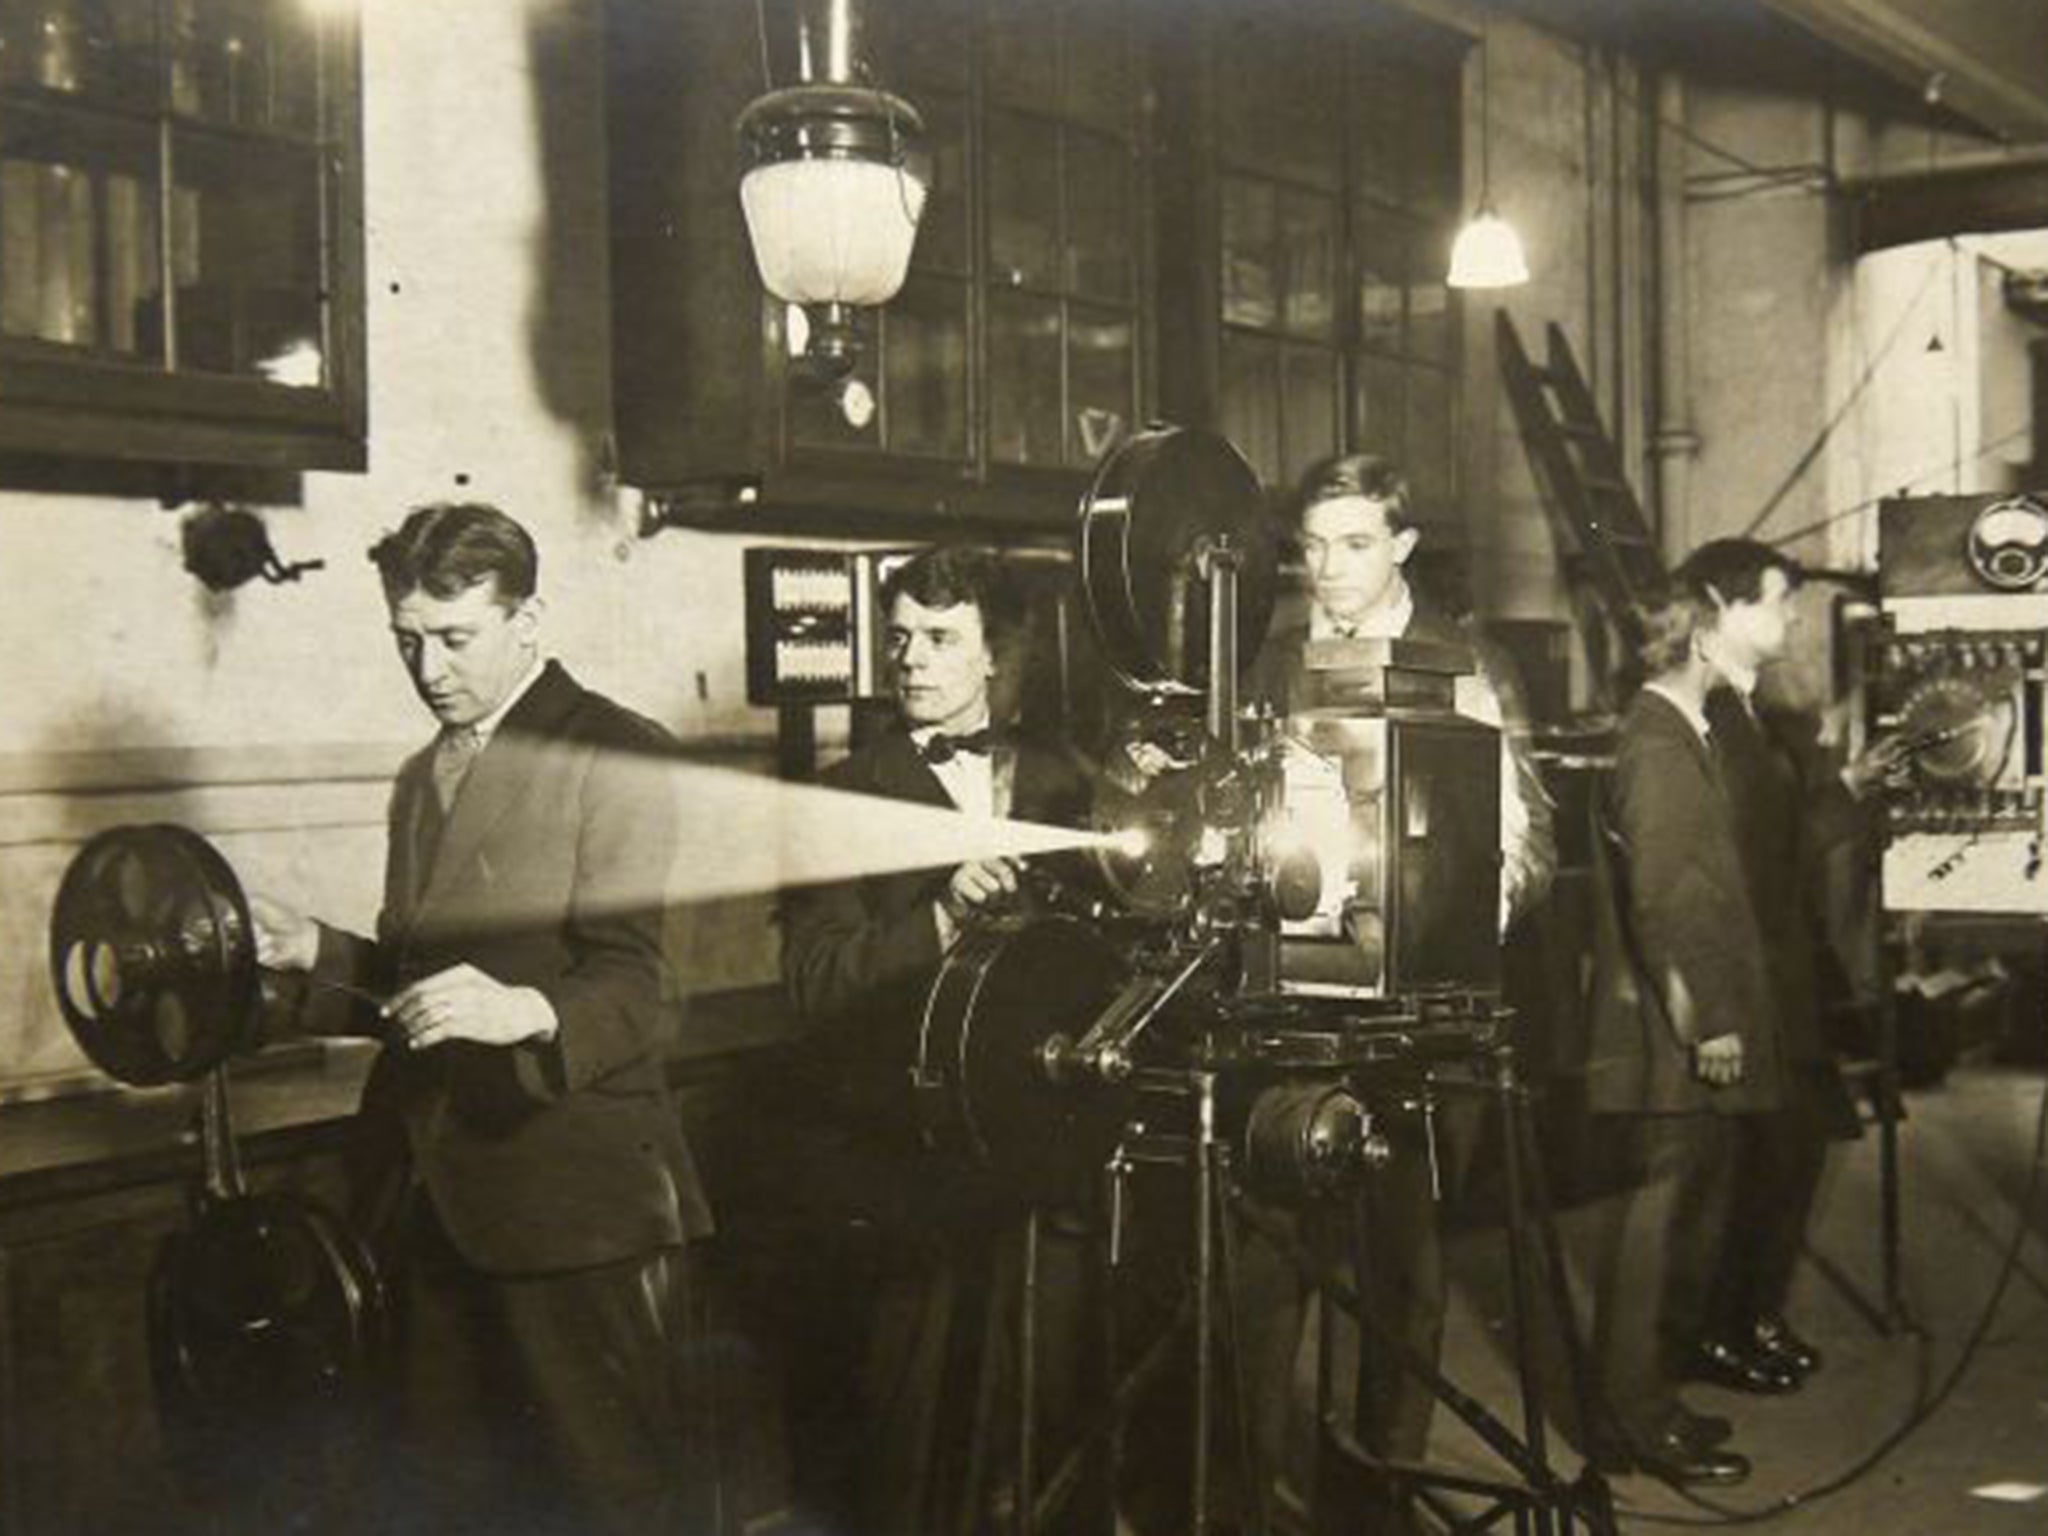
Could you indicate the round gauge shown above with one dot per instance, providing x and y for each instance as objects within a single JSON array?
[
  {"x": 2008, "y": 545},
  {"x": 1955, "y": 729}
]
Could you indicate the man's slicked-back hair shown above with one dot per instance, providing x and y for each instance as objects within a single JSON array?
[
  {"x": 1354, "y": 474},
  {"x": 1671, "y": 615},
  {"x": 950, "y": 574},
  {"x": 1733, "y": 569},
  {"x": 445, "y": 548}
]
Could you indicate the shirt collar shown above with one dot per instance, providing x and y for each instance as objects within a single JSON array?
[
  {"x": 1695, "y": 718},
  {"x": 487, "y": 727},
  {"x": 1388, "y": 621},
  {"x": 1734, "y": 673}
]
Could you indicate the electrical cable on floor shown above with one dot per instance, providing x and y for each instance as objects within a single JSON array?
[{"x": 1924, "y": 1409}]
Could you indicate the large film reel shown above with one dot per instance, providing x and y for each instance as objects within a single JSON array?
[
  {"x": 153, "y": 955},
  {"x": 1004, "y": 992},
  {"x": 1160, "y": 507}
]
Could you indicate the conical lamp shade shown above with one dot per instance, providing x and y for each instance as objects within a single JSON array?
[{"x": 1488, "y": 254}]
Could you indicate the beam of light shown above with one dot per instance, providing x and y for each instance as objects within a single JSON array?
[{"x": 740, "y": 834}]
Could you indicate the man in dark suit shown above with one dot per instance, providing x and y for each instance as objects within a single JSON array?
[
  {"x": 859, "y": 958},
  {"x": 1684, "y": 1044},
  {"x": 1790, "y": 805},
  {"x": 549, "y": 1196},
  {"x": 1356, "y": 538}
]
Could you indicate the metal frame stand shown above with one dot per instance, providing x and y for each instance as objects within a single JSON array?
[{"x": 1535, "y": 1498}]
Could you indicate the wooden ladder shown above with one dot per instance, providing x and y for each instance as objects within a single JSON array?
[{"x": 1608, "y": 546}]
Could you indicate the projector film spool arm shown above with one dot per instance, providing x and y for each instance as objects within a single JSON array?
[{"x": 1106, "y": 1051}]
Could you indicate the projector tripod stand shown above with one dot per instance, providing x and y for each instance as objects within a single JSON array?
[{"x": 1530, "y": 1498}]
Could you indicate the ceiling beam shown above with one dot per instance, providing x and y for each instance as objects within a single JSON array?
[{"x": 1986, "y": 60}]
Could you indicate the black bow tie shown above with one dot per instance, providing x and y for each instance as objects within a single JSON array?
[{"x": 941, "y": 748}]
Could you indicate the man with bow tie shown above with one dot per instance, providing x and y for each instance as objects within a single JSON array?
[
  {"x": 546, "y": 1196},
  {"x": 859, "y": 958}
]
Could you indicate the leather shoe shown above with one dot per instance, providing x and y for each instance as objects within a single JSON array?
[
  {"x": 1728, "y": 1364},
  {"x": 1775, "y": 1338},
  {"x": 1671, "y": 1457},
  {"x": 1703, "y": 1431}
]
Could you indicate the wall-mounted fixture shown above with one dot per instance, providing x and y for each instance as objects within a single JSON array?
[
  {"x": 834, "y": 172},
  {"x": 227, "y": 546},
  {"x": 1488, "y": 251}
]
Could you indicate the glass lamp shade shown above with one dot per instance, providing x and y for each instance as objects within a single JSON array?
[
  {"x": 833, "y": 185},
  {"x": 832, "y": 231},
  {"x": 1488, "y": 254}
]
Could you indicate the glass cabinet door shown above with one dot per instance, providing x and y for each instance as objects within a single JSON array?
[
  {"x": 222, "y": 299},
  {"x": 1061, "y": 295}
]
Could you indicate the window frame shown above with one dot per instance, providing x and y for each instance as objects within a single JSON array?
[{"x": 93, "y": 406}]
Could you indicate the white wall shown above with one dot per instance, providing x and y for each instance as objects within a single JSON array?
[{"x": 486, "y": 333}]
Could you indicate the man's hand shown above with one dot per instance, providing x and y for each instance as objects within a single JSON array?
[
  {"x": 974, "y": 887},
  {"x": 462, "y": 1003},
  {"x": 286, "y": 939},
  {"x": 983, "y": 883},
  {"x": 1719, "y": 1061},
  {"x": 1881, "y": 765}
]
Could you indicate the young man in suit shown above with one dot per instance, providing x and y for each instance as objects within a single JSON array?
[
  {"x": 859, "y": 958},
  {"x": 1684, "y": 1046},
  {"x": 1356, "y": 537},
  {"x": 549, "y": 1196},
  {"x": 1790, "y": 805}
]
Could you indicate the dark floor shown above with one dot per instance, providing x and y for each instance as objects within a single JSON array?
[{"x": 1966, "y": 1151}]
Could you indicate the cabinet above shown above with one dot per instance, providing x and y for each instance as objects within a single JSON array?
[
  {"x": 1234, "y": 216},
  {"x": 1014, "y": 355},
  {"x": 181, "y": 232}
]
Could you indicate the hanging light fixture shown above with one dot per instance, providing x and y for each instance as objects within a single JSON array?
[
  {"x": 1488, "y": 252},
  {"x": 833, "y": 176}
]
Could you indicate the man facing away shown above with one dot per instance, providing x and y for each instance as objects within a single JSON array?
[
  {"x": 548, "y": 1197},
  {"x": 1790, "y": 805},
  {"x": 1684, "y": 1049}
]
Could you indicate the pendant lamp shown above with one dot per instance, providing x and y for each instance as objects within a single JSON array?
[
  {"x": 833, "y": 177},
  {"x": 1487, "y": 253}
]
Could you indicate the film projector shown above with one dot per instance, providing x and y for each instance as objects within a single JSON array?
[
  {"x": 1301, "y": 925},
  {"x": 266, "y": 1314}
]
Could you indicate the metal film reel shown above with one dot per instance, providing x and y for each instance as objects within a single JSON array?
[
  {"x": 1160, "y": 506},
  {"x": 153, "y": 955}
]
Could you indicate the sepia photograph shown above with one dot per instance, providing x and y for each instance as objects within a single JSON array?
[{"x": 1023, "y": 767}]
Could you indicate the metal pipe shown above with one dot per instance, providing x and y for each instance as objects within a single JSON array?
[
  {"x": 828, "y": 38},
  {"x": 1205, "y": 1295},
  {"x": 1675, "y": 442},
  {"x": 1027, "y": 1382}
]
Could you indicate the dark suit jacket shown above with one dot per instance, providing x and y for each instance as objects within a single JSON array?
[
  {"x": 1790, "y": 807},
  {"x": 1679, "y": 912},
  {"x": 858, "y": 956},
  {"x": 550, "y": 872}
]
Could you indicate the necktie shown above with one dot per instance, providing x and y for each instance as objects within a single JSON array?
[
  {"x": 941, "y": 748},
  {"x": 456, "y": 749}
]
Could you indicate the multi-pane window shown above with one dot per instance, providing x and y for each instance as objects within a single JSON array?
[
  {"x": 168, "y": 202},
  {"x": 1060, "y": 279},
  {"x": 1026, "y": 259},
  {"x": 1280, "y": 189},
  {"x": 1405, "y": 192},
  {"x": 1338, "y": 177}
]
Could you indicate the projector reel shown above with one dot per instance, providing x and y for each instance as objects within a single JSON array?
[{"x": 153, "y": 955}]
